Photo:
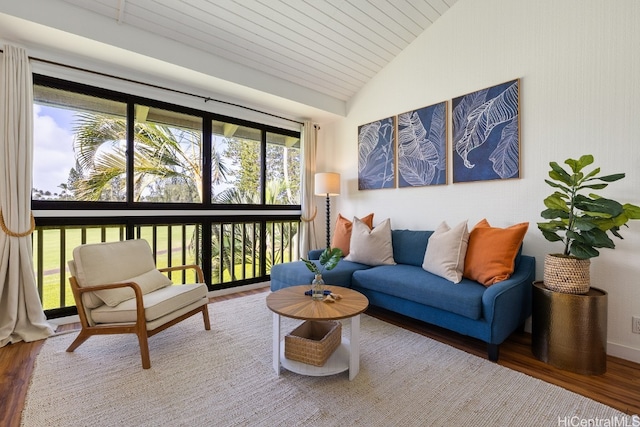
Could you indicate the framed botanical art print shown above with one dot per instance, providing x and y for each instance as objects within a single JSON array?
[
  {"x": 376, "y": 154},
  {"x": 486, "y": 134},
  {"x": 422, "y": 146}
]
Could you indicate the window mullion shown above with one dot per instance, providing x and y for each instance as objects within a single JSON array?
[
  {"x": 263, "y": 166},
  {"x": 130, "y": 151},
  {"x": 207, "y": 162}
]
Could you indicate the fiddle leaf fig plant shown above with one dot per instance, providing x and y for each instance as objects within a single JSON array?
[
  {"x": 329, "y": 259},
  {"x": 581, "y": 221}
]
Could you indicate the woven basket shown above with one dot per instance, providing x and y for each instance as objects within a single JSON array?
[
  {"x": 567, "y": 274},
  {"x": 313, "y": 342}
]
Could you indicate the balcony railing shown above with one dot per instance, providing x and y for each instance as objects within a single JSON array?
[{"x": 231, "y": 252}]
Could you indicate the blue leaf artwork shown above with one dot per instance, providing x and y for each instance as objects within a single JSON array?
[
  {"x": 486, "y": 142},
  {"x": 376, "y": 155},
  {"x": 422, "y": 144}
]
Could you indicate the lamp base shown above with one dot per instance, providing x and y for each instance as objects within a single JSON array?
[{"x": 328, "y": 222}]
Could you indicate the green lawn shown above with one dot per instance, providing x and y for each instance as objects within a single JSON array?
[
  {"x": 55, "y": 254},
  {"x": 58, "y": 244}
]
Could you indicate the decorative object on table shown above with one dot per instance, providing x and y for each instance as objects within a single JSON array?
[
  {"x": 317, "y": 287},
  {"x": 329, "y": 259},
  {"x": 580, "y": 222},
  {"x": 376, "y": 155},
  {"x": 327, "y": 184},
  {"x": 325, "y": 292},
  {"x": 331, "y": 297},
  {"x": 313, "y": 342},
  {"x": 486, "y": 140},
  {"x": 422, "y": 146}
]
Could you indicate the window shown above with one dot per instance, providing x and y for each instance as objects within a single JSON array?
[
  {"x": 199, "y": 187},
  {"x": 79, "y": 146},
  {"x": 236, "y": 164},
  {"x": 95, "y": 145},
  {"x": 168, "y": 156},
  {"x": 283, "y": 170}
]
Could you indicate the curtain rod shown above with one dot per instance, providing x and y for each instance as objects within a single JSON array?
[{"x": 205, "y": 98}]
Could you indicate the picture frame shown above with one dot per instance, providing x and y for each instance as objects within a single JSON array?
[
  {"x": 486, "y": 134},
  {"x": 422, "y": 146},
  {"x": 376, "y": 154}
]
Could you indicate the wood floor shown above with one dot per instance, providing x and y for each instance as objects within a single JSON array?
[{"x": 619, "y": 387}]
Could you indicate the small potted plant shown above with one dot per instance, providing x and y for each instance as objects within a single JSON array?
[
  {"x": 329, "y": 259},
  {"x": 580, "y": 222}
]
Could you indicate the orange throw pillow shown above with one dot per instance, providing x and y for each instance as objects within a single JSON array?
[
  {"x": 342, "y": 234},
  {"x": 492, "y": 251}
]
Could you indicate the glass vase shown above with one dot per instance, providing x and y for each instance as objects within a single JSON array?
[{"x": 317, "y": 288}]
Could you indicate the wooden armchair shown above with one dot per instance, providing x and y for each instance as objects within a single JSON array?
[{"x": 119, "y": 290}]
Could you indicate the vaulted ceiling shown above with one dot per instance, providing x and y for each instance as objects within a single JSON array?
[{"x": 315, "y": 53}]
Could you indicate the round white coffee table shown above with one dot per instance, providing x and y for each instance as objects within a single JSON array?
[{"x": 293, "y": 303}]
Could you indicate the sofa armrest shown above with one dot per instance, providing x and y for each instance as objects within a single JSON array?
[
  {"x": 507, "y": 304},
  {"x": 315, "y": 253}
]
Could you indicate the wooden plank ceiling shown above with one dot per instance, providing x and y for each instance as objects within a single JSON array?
[{"x": 330, "y": 46}]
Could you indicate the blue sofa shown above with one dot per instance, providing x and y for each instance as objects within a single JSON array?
[{"x": 490, "y": 314}]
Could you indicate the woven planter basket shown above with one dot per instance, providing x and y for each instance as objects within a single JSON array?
[{"x": 567, "y": 274}]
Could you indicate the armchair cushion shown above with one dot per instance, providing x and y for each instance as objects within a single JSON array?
[
  {"x": 112, "y": 262},
  {"x": 156, "y": 304},
  {"x": 148, "y": 282}
]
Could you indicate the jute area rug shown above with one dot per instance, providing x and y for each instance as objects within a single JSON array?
[{"x": 224, "y": 377}]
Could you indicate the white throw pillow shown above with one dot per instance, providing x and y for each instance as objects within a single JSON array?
[
  {"x": 148, "y": 282},
  {"x": 446, "y": 250},
  {"x": 371, "y": 247}
]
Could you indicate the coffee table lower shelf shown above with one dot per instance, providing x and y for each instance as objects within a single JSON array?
[{"x": 336, "y": 363}]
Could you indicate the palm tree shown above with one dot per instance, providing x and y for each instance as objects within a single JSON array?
[
  {"x": 162, "y": 155},
  {"x": 221, "y": 248},
  {"x": 167, "y": 167}
]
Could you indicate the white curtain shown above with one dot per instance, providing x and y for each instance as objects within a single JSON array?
[
  {"x": 21, "y": 315},
  {"x": 309, "y": 144}
]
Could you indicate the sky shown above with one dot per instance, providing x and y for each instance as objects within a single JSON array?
[{"x": 53, "y": 147}]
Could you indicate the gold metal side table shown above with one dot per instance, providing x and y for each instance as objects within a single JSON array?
[{"x": 569, "y": 331}]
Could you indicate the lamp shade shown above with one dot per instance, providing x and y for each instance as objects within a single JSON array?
[{"x": 327, "y": 183}]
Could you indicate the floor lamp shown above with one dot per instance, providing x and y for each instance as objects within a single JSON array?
[{"x": 327, "y": 184}]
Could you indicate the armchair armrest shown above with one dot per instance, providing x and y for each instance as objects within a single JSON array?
[
  {"x": 197, "y": 268},
  {"x": 132, "y": 285},
  {"x": 78, "y": 291}
]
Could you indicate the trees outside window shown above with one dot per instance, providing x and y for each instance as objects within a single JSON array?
[
  {"x": 242, "y": 147},
  {"x": 168, "y": 156},
  {"x": 283, "y": 169},
  {"x": 89, "y": 137},
  {"x": 78, "y": 146}
]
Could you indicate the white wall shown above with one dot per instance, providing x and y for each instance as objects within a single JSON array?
[{"x": 579, "y": 67}]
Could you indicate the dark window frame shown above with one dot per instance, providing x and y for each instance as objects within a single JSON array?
[{"x": 207, "y": 119}]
